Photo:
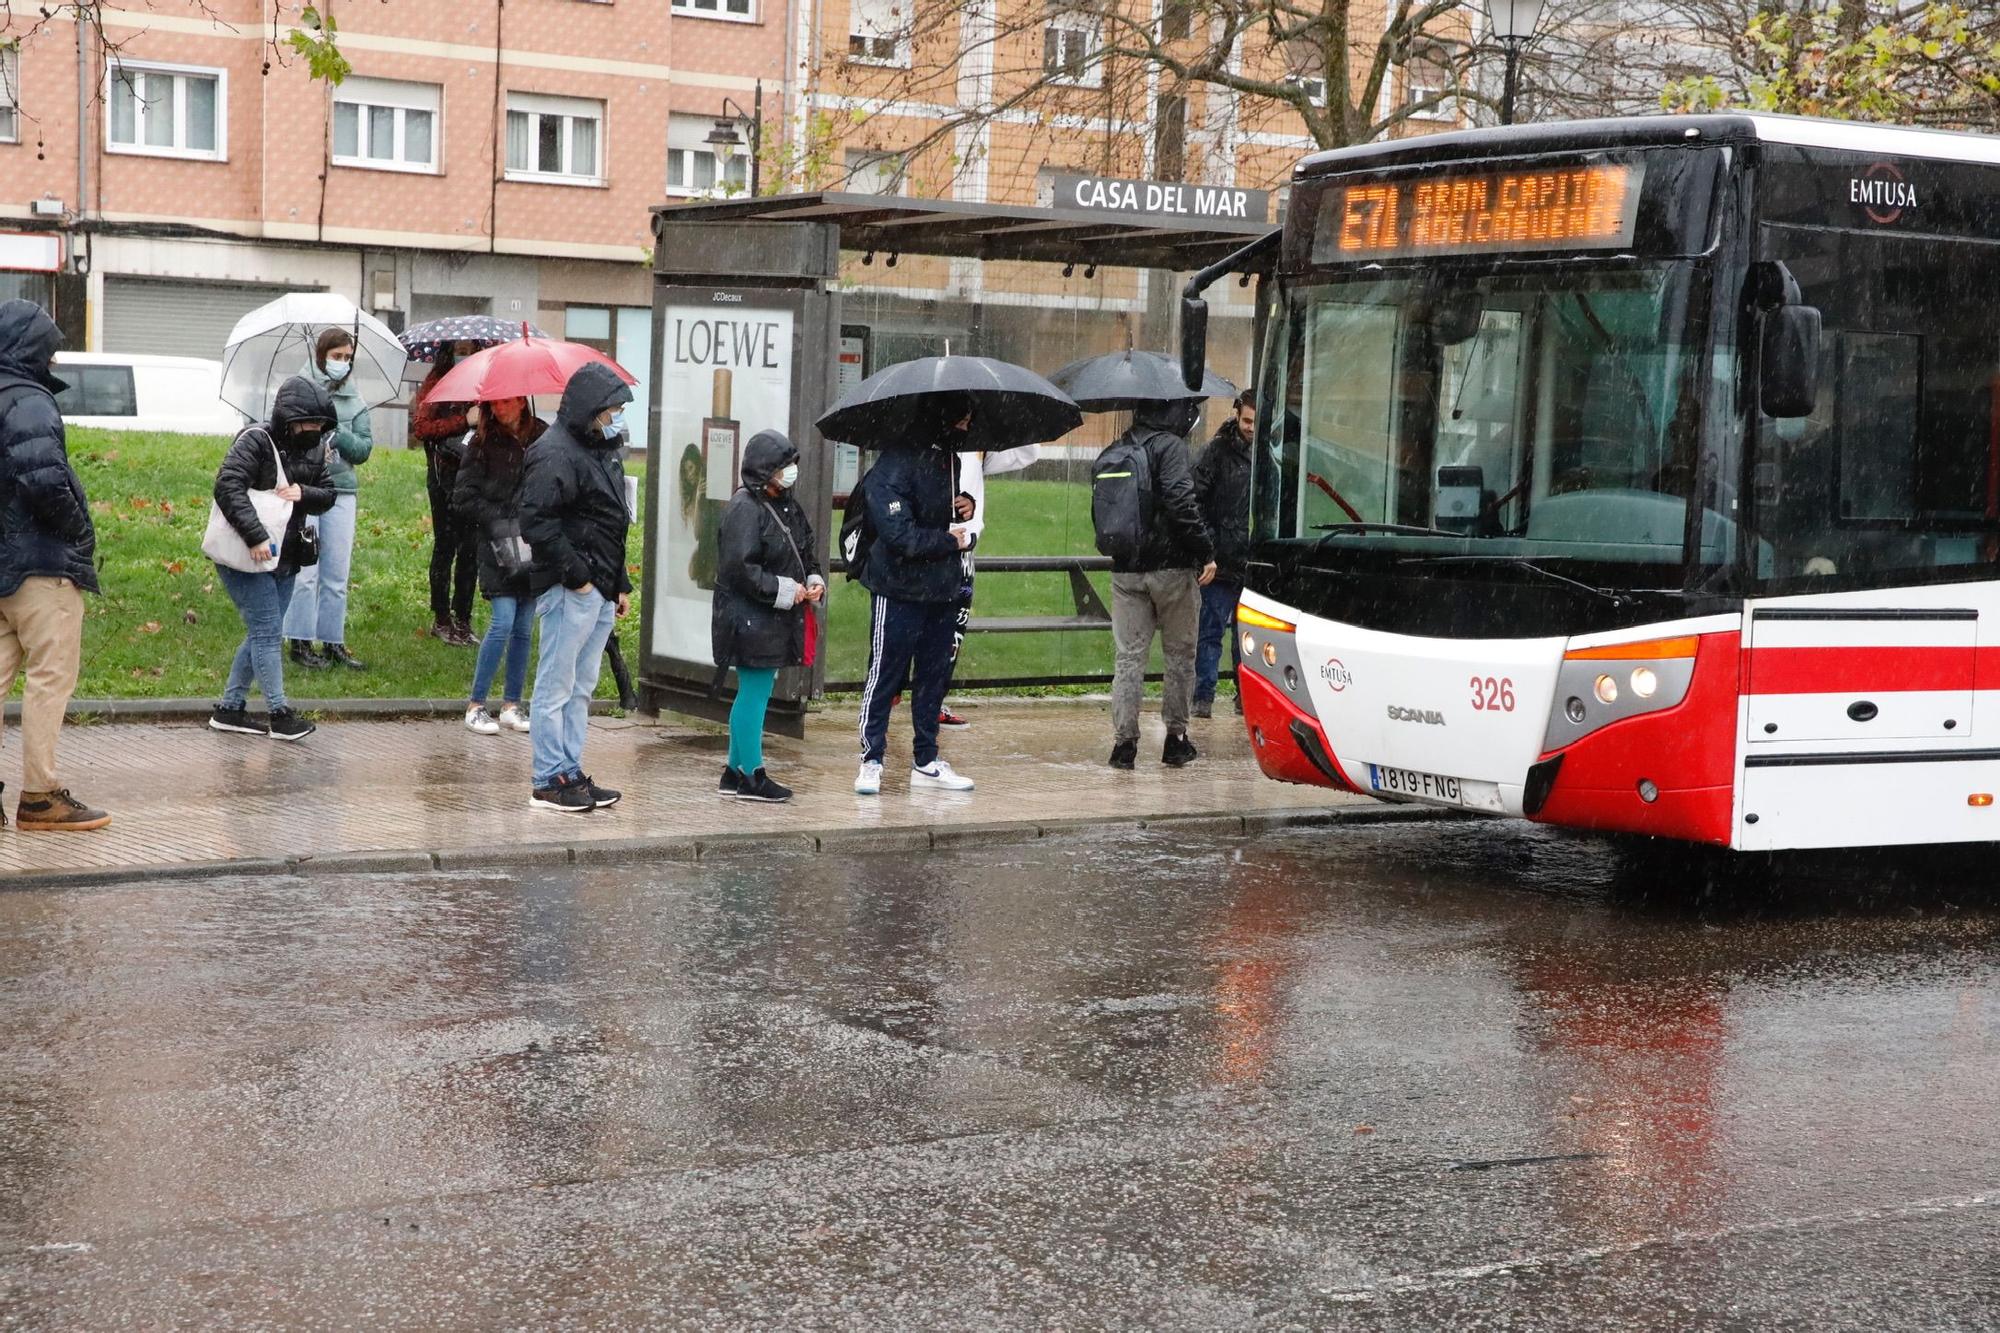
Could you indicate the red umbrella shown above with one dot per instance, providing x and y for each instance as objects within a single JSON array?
[{"x": 519, "y": 369}]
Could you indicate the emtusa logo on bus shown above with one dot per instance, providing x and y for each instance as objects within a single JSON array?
[
  {"x": 1882, "y": 193},
  {"x": 1336, "y": 675}
]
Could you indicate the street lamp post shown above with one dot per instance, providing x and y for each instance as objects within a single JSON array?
[
  {"x": 724, "y": 134},
  {"x": 1513, "y": 22}
]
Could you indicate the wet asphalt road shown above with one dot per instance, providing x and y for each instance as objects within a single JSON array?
[{"x": 1450, "y": 1075}]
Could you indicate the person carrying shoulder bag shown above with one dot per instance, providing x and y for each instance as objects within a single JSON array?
[
  {"x": 273, "y": 469},
  {"x": 487, "y": 498},
  {"x": 767, "y": 583}
]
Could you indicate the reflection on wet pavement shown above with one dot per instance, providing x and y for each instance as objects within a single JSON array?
[{"x": 1421, "y": 1075}]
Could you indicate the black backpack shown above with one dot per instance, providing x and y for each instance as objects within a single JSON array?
[
  {"x": 1121, "y": 497},
  {"x": 857, "y": 530}
]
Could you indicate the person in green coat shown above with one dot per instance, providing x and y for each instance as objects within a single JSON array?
[{"x": 318, "y": 612}]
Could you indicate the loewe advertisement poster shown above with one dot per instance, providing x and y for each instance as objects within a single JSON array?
[{"x": 725, "y": 374}]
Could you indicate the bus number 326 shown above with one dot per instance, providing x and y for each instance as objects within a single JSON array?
[{"x": 1490, "y": 695}]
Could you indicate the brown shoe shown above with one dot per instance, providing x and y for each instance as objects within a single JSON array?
[{"x": 57, "y": 810}]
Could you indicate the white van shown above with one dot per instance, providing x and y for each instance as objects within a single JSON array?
[{"x": 120, "y": 391}]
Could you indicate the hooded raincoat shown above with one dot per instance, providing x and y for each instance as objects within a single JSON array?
[
  {"x": 573, "y": 513},
  {"x": 45, "y": 527},
  {"x": 765, "y": 558}
]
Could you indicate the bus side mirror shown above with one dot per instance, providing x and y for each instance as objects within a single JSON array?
[
  {"x": 1194, "y": 341},
  {"x": 1790, "y": 362}
]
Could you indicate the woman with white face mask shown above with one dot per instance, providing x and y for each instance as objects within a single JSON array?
[
  {"x": 767, "y": 585},
  {"x": 318, "y": 611}
]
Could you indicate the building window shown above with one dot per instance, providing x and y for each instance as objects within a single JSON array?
[
  {"x": 1315, "y": 87},
  {"x": 554, "y": 139},
  {"x": 875, "y": 33},
  {"x": 1176, "y": 20},
  {"x": 1426, "y": 81},
  {"x": 695, "y": 167},
  {"x": 738, "y": 11},
  {"x": 386, "y": 124},
  {"x": 166, "y": 112},
  {"x": 10, "y": 94},
  {"x": 874, "y": 173},
  {"x": 1067, "y": 45}
]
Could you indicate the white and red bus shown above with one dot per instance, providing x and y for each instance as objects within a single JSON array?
[{"x": 1637, "y": 475}]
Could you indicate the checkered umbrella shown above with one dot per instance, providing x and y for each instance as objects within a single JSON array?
[{"x": 422, "y": 341}]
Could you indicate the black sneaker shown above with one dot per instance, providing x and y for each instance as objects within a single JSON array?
[
  {"x": 759, "y": 787},
  {"x": 303, "y": 654},
  {"x": 1179, "y": 751},
  {"x": 565, "y": 798},
  {"x": 235, "y": 719},
  {"x": 601, "y": 798},
  {"x": 1125, "y": 754},
  {"x": 287, "y": 725},
  {"x": 732, "y": 782}
]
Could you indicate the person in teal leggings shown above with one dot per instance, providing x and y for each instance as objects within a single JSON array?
[{"x": 767, "y": 582}]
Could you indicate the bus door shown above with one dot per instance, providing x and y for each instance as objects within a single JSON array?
[{"x": 1855, "y": 675}]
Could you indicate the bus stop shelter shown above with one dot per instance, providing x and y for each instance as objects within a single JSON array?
[{"x": 747, "y": 336}]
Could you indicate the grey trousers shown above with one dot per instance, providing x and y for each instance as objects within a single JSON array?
[{"x": 1168, "y": 600}]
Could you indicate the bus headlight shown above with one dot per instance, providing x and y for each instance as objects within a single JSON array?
[
  {"x": 1606, "y": 690},
  {"x": 1645, "y": 682},
  {"x": 1249, "y": 644},
  {"x": 1623, "y": 679}
]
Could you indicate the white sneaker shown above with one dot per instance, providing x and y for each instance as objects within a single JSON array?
[
  {"x": 479, "y": 720},
  {"x": 868, "y": 782},
  {"x": 939, "y": 775},
  {"x": 513, "y": 719}
]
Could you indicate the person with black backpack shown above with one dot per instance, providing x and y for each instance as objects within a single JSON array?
[{"x": 1147, "y": 519}]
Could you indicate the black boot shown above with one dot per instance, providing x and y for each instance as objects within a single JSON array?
[
  {"x": 303, "y": 654},
  {"x": 1179, "y": 751},
  {"x": 1125, "y": 754}
]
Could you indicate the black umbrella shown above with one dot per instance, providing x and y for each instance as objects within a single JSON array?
[
  {"x": 422, "y": 341},
  {"x": 904, "y": 405},
  {"x": 1122, "y": 381}
]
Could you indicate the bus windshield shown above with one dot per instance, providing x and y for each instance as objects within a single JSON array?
[{"x": 1465, "y": 413}]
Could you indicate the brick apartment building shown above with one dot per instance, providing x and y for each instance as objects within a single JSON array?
[
  {"x": 492, "y": 156},
  {"x": 501, "y": 156}
]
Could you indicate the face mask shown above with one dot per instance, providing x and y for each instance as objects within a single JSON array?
[
  {"x": 788, "y": 475},
  {"x": 337, "y": 370},
  {"x": 615, "y": 426}
]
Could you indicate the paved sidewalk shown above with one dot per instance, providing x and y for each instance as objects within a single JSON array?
[{"x": 425, "y": 793}]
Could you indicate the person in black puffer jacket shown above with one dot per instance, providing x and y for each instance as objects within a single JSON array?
[
  {"x": 487, "y": 498},
  {"x": 301, "y": 415},
  {"x": 574, "y": 519},
  {"x": 1222, "y": 486},
  {"x": 47, "y": 550},
  {"x": 767, "y": 580}
]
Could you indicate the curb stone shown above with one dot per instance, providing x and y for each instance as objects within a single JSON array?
[{"x": 722, "y": 847}]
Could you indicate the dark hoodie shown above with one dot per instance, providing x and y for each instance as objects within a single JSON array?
[
  {"x": 45, "y": 528},
  {"x": 765, "y": 556},
  {"x": 1177, "y": 539},
  {"x": 573, "y": 513},
  {"x": 1222, "y": 484},
  {"x": 251, "y": 466}
]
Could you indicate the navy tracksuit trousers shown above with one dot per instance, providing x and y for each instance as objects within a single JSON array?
[{"x": 906, "y": 638}]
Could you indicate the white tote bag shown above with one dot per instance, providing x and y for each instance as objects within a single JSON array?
[{"x": 223, "y": 544}]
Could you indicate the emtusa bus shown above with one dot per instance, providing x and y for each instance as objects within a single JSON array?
[{"x": 1637, "y": 475}]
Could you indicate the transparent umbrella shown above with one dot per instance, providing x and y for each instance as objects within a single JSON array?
[{"x": 275, "y": 342}]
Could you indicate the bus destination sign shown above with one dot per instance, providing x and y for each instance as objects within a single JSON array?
[{"x": 1590, "y": 207}]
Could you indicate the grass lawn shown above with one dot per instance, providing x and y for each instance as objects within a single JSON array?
[{"x": 164, "y": 628}]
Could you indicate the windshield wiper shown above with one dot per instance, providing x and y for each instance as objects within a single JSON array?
[
  {"x": 1398, "y": 529},
  {"x": 1519, "y": 562}
]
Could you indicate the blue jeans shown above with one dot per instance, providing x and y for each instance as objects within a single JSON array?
[
  {"x": 261, "y": 600},
  {"x": 1218, "y": 612},
  {"x": 319, "y": 602},
  {"x": 508, "y": 633},
  {"x": 575, "y": 626}
]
